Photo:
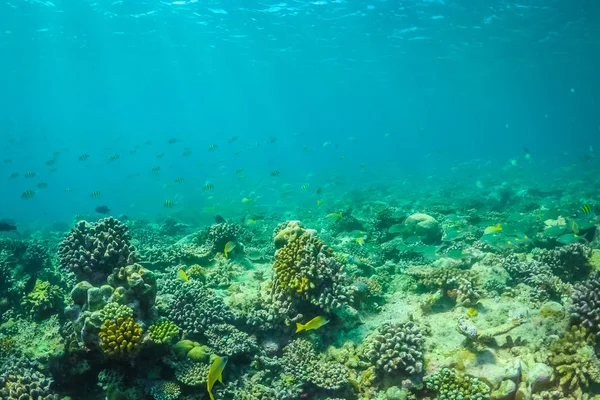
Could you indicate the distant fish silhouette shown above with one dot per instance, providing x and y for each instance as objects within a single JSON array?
[
  {"x": 220, "y": 220},
  {"x": 6, "y": 227},
  {"x": 102, "y": 210}
]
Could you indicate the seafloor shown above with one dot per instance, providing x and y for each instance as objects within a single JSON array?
[{"x": 446, "y": 298}]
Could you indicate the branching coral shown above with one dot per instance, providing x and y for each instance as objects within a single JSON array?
[
  {"x": 120, "y": 338},
  {"x": 585, "y": 308},
  {"x": 451, "y": 386},
  {"x": 306, "y": 268},
  {"x": 396, "y": 347},
  {"x": 196, "y": 307},
  {"x": 301, "y": 361},
  {"x": 166, "y": 390},
  {"x": 574, "y": 359},
  {"x": 163, "y": 331},
  {"x": 535, "y": 274},
  {"x": 568, "y": 262},
  {"x": 226, "y": 339},
  {"x": 457, "y": 283},
  {"x": 92, "y": 251},
  {"x": 192, "y": 373},
  {"x": 43, "y": 300}
]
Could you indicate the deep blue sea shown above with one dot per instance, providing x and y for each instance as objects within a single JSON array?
[{"x": 339, "y": 94}]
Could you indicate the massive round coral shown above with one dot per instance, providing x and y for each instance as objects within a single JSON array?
[
  {"x": 92, "y": 251},
  {"x": 585, "y": 308},
  {"x": 396, "y": 347}
]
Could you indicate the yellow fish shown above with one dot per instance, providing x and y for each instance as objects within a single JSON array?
[
  {"x": 250, "y": 222},
  {"x": 335, "y": 215},
  {"x": 319, "y": 202},
  {"x": 314, "y": 323},
  {"x": 492, "y": 229},
  {"x": 247, "y": 200},
  {"x": 228, "y": 247},
  {"x": 182, "y": 276},
  {"x": 575, "y": 227},
  {"x": 360, "y": 241},
  {"x": 215, "y": 373}
]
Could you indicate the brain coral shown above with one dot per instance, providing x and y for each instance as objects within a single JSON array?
[
  {"x": 92, "y": 251},
  {"x": 120, "y": 338}
]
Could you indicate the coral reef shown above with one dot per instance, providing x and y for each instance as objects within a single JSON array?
[
  {"x": 43, "y": 300},
  {"x": 449, "y": 385},
  {"x": 163, "y": 331},
  {"x": 585, "y": 308},
  {"x": 396, "y": 347},
  {"x": 166, "y": 390},
  {"x": 456, "y": 283},
  {"x": 120, "y": 338},
  {"x": 92, "y": 251},
  {"x": 192, "y": 373},
  {"x": 226, "y": 339}
]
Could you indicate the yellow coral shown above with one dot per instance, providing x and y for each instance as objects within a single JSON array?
[
  {"x": 288, "y": 260},
  {"x": 120, "y": 338}
]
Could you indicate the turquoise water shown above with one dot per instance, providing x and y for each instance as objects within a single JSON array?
[{"x": 447, "y": 81}]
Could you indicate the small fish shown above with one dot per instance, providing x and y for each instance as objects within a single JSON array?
[
  {"x": 471, "y": 312},
  {"x": 360, "y": 241},
  {"x": 208, "y": 186},
  {"x": 362, "y": 165},
  {"x": 102, "y": 210},
  {"x": 182, "y": 276},
  {"x": 326, "y": 144},
  {"x": 160, "y": 155},
  {"x": 575, "y": 227},
  {"x": 241, "y": 177},
  {"x": 114, "y": 157},
  {"x": 168, "y": 204},
  {"x": 275, "y": 173},
  {"x": 30, "y": 175},
  {"x": 250, "y": 221},
  {"x": 319, "y": 190},
  {"x": 14, "y": 175},
  {"x": 187, "y": 152},
  {"x": 314, "y": 323},
  {"x": 213, "y": 147},
  {"x": 155, "y": 169},
  {"x": 6, "y": 227},
  {"x": 337, "y": 215},
  {"x": 247, "y": 200},
  {"x": 30, "y": 284},
  {"x": 319, "y": 202},
  {"x": 68, "y": 190},
  {"x": 84, "y": 157},
  {"x": 95, "y": 194},
  {"x": 479, "y": 185},
  {"x": 237, "y": 152},
  {"x": 228, "y": 248},
  {"x": 586, "y": 209},
  {"x": 28, "y": 194},
  {"x": 233, "y": 139},
  {"x": 42, "y": 185},
  {"x": 50, "y": 162},
  {"x": 172, "y": 141},
  {"x": 272, "y": 139},
  {"x": 239, "y": 170},
  {"x": 305, "y": 186},
  {"x": 215, "y": 373},
  {"x": 220, "y": 220},
  {"x": 179, "y": 179},
  {"x": 513, "y": 162},
  {"x": 492, "y": 229}
]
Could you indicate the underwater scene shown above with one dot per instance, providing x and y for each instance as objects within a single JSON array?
[{"x": 299, "y": 200}]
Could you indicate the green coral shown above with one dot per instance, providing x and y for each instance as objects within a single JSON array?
[
  {"x": 113, "y": 311},
  {"x": 44, "y": 300},
  {"x": 163, "y": 331},
  {"x": 450, "y": 386},
  {"x": 166, "y": 390},
  {"x": 120, "y": 338},
  {"x": 574, "y": 360},
  {"x": 192, "y": 373}
]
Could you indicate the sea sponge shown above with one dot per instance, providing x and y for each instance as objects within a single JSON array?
[
  {"x": 396, "y": 347},
  {"x": 92, "y": 251},
  {"x": 451, "y": 386},
  {"x": 585, "y": 308},
  {"x": 163, "y": 331},
  {"x": 120, "y": 338}
]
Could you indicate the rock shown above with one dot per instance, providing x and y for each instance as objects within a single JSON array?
[
  {"x": 539, "y": 377},
  {"x": 424, "y": 226},
  {"x": 523, "y": 393},
  {"x": 506, "y": 390},
  {"x": 395, "y": 393},
  {"x": 493, "y": 372}
]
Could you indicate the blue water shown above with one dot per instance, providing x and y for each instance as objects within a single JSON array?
[{"x": 409, "y": 88}]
